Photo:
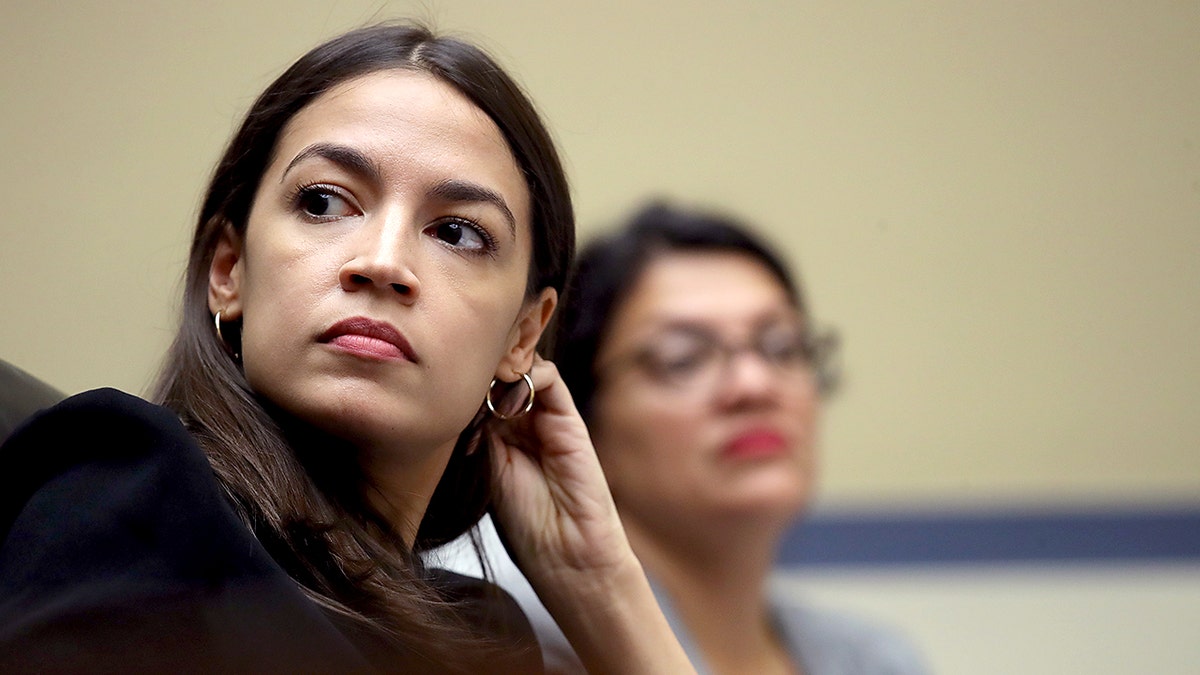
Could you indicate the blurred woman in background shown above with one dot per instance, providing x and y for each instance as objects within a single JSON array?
[{"x": 691, "y": 354}]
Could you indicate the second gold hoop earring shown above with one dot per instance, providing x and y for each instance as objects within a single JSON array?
[
  {"x": 525, "y": 409},
  {"x": 217, "y": 322}
]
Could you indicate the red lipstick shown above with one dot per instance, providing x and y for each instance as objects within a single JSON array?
[
  {"x": 755, "y": 443},
  {"x": 368, "y": 338}
]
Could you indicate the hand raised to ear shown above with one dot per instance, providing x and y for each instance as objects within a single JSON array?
[{"x": 559, "y": 522}]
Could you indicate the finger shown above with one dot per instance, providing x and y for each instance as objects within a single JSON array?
[
  {"x": 551, "y": 390},
  {"x": 552, "y": 407}
]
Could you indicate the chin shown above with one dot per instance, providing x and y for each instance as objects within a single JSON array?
[
  {"x": 353, "y": 416},
  {"x": 774, "y": 498}
]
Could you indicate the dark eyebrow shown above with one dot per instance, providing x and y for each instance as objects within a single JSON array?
[
  {"x": 682, "y": 327},
  {"x": 346, "y": 157},
  {"x": 694, "y": 328},
  {"x": 463, "y": 191}
]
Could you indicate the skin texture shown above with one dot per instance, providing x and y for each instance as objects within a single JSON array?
[{"x": 390, "y": 198}]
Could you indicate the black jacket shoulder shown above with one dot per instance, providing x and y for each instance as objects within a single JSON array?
[{"x": 119, "y": 553}]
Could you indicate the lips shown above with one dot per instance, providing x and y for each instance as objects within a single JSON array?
[
  {"x": 754, "y": 443},
  {"x": 368, "y": 338}
]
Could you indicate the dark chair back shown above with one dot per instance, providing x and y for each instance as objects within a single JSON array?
[{"x": 21, "y": 395}]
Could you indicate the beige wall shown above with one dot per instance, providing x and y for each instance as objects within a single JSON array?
[
  {"x": 997, "y": 203},
  {"x": 1051, "y": 620}
]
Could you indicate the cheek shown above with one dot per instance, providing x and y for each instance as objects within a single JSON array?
[
  {"x": 802, "y": 412},
  {"x": 271, "y": 330},
  {"x": 280, "y": 312},
  {"x": 642, "y": 439},
  {"x": 469, "y": 335},
  {"x": 470, "y": 328},
  {"x": 471, "y": 357},
  {"x": 803, "y": 409}
]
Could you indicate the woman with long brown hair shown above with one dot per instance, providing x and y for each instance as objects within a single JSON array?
[{"x": 376, "y": 258}]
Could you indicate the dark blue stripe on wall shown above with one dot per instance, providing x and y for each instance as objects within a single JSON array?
[{"x": 980, "y": 537}]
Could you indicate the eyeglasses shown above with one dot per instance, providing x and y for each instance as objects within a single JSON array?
[{"x": 689, "y": 358}]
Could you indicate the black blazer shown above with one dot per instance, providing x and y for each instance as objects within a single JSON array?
[{"x": 119, "y": 553}]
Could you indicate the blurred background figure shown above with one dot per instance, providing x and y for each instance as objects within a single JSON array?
[{"x": 689, "y": 349}]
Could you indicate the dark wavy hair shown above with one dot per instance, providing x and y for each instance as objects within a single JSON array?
[
  {"x": 324, "y": 533},
  {"x": 609, "y": 267}
]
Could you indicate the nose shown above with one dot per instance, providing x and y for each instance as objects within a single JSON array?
[
  {"x": 749, "y": 381},
  {"x": 381, "y": 257}
]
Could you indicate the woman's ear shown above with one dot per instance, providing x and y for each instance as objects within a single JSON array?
[
  {"x": 225, "y": 276},
  {"x": 526, "y": 333}
]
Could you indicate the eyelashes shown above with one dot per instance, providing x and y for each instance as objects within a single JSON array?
[
  {"x": 321, "y": 202},
  {"x": 463, "y": 234}
]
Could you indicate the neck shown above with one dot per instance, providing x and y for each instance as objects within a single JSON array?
[
  {"x": 368, "y": 480},
  {"x": 715, "y": 576},
  {"x": 400, "y": 492}
]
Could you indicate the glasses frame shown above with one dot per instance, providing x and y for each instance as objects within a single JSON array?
[{"x": 819, "y": 349}]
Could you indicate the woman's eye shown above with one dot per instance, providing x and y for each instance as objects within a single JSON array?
[
  {"x": 787, "y": 346},
  {"x": 319, "y": 202},
  {"x": 680, "y": 363},
  {"x": 461, "y": 234},
  {"x": 676, "y": 360}
]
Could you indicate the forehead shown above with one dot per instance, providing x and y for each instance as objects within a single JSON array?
[
  {"x": 412, "y": 124},
  {"x": 711, "y": 287}
]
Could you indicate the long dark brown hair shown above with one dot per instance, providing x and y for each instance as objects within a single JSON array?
[{"x": 324, "y": 533}]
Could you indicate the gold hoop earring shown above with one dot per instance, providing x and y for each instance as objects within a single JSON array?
[
  {"x": 528, "y": 403},
  {"x": 228, "y": 347}
]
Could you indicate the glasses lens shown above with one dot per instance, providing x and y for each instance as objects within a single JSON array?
[
  {"x": 694, "y": 359},
  {"x": 785, "y": 346},
  {"x": 680, "y": 359}
]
